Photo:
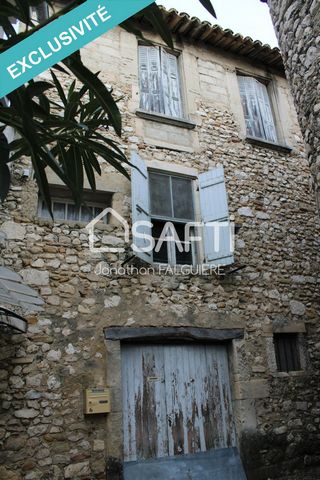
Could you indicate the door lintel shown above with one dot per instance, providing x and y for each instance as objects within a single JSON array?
[{"x": 169, "y": 334}]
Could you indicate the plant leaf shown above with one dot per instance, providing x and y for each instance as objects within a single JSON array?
[
  {"x": 59, "y": 88},
  {"x": 154, "y": 15},
  {"x": 99, "y": 90},
  {"x": 35, "y": 89},
  {"x": 208, "y": 6},
  {"x": 5, "y": 177}
]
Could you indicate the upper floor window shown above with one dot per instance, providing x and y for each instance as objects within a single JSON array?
[
  {"x": 257, "y": 109},
  {"x": 160, "y": 90},
  {"x": 65, "y": 209}
]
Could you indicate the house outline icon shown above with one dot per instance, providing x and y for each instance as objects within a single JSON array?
[{"x": 91, "y": 226}]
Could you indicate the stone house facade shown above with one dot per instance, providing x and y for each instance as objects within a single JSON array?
[{"x": 102, "y": 315}]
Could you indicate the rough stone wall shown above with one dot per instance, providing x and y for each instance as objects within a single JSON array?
[
  {"x": 297, "y": 23},
  {"x": 43, "y": 431}
]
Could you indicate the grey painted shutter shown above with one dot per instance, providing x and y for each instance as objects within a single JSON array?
[
  {"x": 150, "y": 79},
  {"x": 165, "y": 73},
  {"x": 250, "y": 106},
  {"x": 144, "y": 78},
  {"x": 266, "y": 112},
  {"x": 214, "y": 208},
  {"x": 140, "y": 204},
  {"x": 171, "y": 84}
]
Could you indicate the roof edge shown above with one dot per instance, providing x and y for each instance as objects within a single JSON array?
[{"x": 193, "y": 29}]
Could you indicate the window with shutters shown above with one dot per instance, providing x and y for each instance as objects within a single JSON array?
[
  {"x": 257, "y": 109},
  {"x": 64, "y": 208},
  {"x": 160, "y": 89},
  {"x": 287, "y": 352},
  {"x": 164, "y": 206}
]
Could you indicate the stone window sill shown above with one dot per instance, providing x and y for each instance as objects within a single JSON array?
[
  {"x": 264, "y": 143},
  {"x": 298, "y": 373},
  {"x": 71, "y": 223},
  {"x": 157, "y": 117}
]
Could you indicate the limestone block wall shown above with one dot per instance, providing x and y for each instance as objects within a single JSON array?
[{"x": 43, "y": 431}]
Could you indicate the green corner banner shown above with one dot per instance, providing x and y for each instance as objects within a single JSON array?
[{"x": 65, "y": 35}]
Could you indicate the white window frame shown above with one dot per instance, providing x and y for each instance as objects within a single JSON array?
[
  {"x": 66, "y": 202},
  {"x": 171, "y": 246},
  {"x": 60, "y": 194}
]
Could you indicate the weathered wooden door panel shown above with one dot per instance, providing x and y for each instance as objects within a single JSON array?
[
  {"x": 176, "y": 400},
  {"x": 144, "y": 402}
]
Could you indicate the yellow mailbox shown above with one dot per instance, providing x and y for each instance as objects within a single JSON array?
[{"x": 97, "y": 400}]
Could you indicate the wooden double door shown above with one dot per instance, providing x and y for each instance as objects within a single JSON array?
[{"x": 176, "y": 400}]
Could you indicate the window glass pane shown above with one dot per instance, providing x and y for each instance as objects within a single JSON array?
[
  {"x": 86, "y": 214},
  {"x": 72, "y": 212},
  {"x": 97, "y": 211},
  {"x": 162, "y": 255},
  {"x": 64, "y": 209},
  {"x": 184, "y": 257},
  {"x": 160, "y": 196},
  {"x": 59, "y": 210},
  {"x": 287, "y": 352},
  {"x": 44, "y": 211},
  {"x": 182, "y": 198}
]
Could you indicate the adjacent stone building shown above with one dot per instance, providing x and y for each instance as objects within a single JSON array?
[
  {"x": 297, "y": 24},
  {"x": 240, "y": 343}
]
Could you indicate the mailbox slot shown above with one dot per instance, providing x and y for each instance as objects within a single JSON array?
[{"x": 97, "y": 400}]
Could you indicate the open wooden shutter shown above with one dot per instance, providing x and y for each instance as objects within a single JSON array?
[
  {"x": 140, "y": 205},
  {"x": 150, "y": 79},
  {"x": 171, "y": 84},
  {"x": 217, "y": 242},
  {"x": 266, "y": 112}
]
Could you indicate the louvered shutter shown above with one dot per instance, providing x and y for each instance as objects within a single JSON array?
[
  {"x": 171, "y": 84},
  {"x": 140, "y": 205},
  {"x": 266, "y": 112},
  {"x": 150, "y": 79},
  {"x": 166, "y": 86},
  {"x": 217, "y": 242},
  {"x": 250, "y": 106},
  {"x": 144, "y": 78}
]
